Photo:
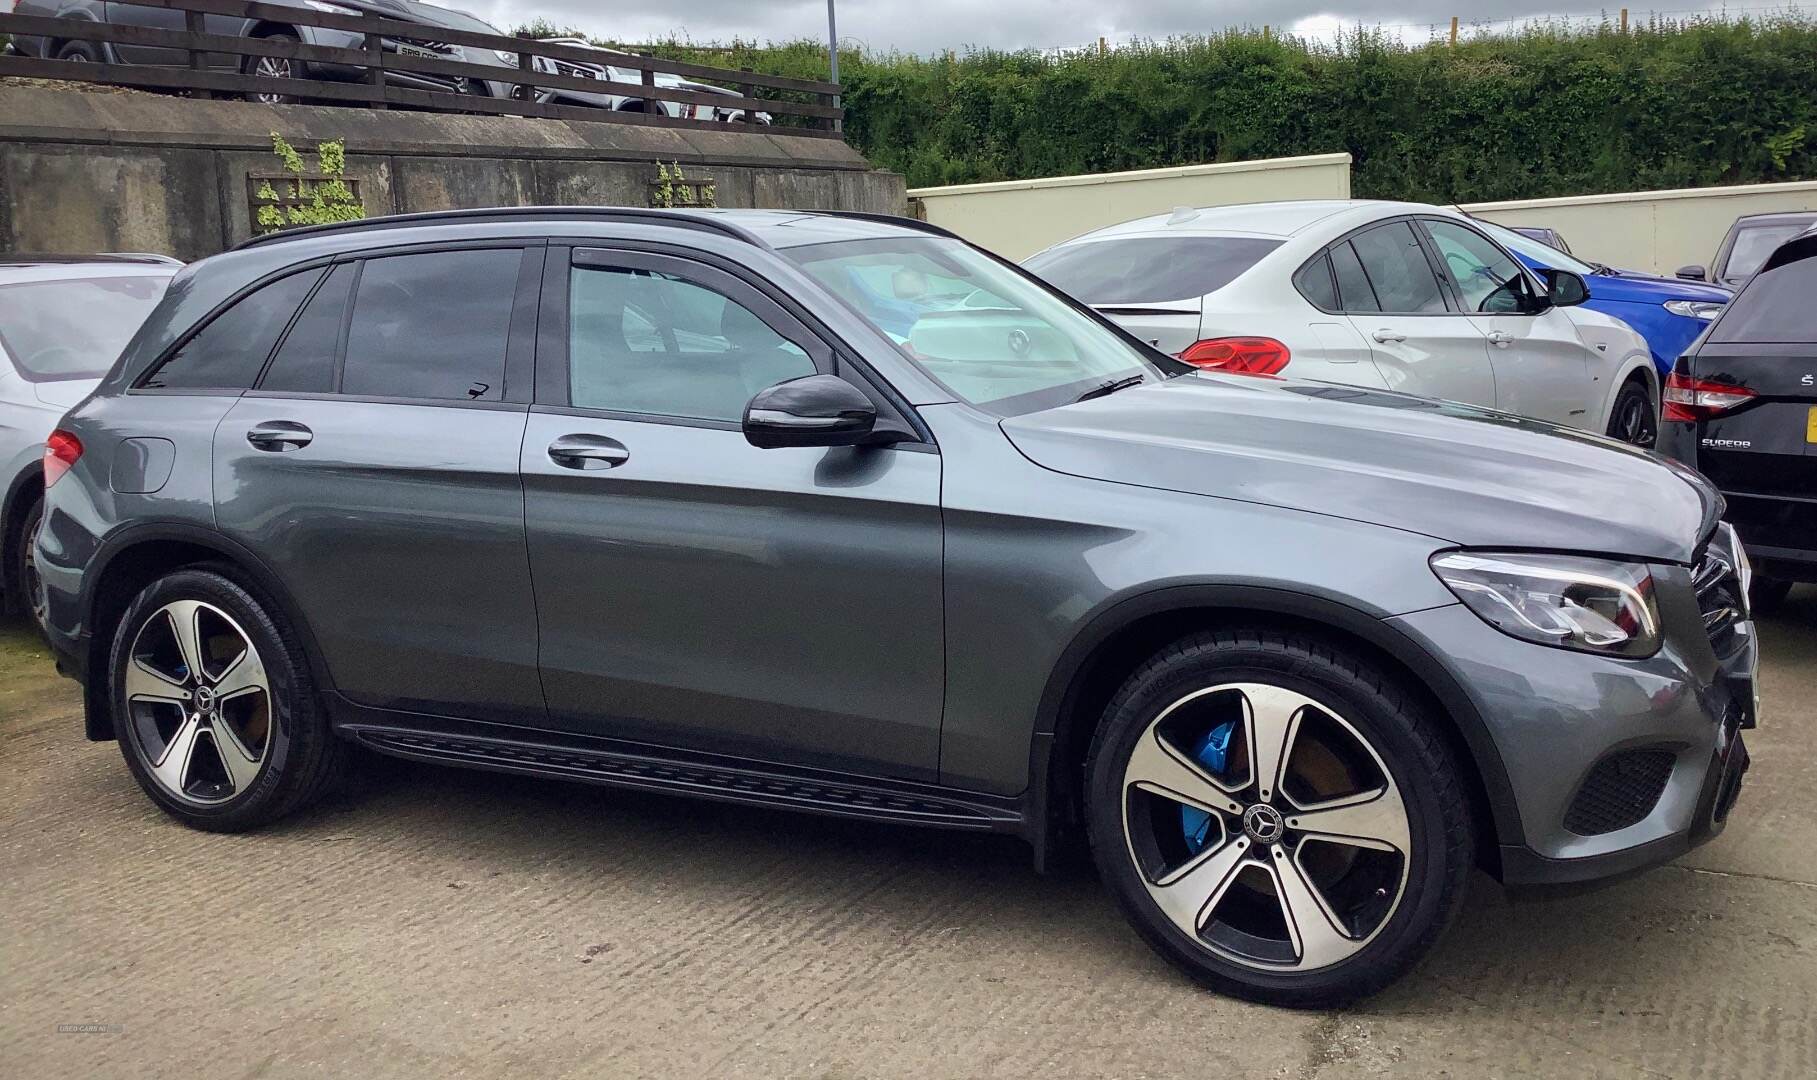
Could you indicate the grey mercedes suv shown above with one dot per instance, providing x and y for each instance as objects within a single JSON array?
[{"x": 845, "y": 515}]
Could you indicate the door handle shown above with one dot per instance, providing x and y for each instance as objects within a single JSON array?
[
  {"x": 1385, "y": 336},
  {"x": 1501, "y": 338},
  {"x": 278, "y": 436},
  {"x": 588, "y": 452}
]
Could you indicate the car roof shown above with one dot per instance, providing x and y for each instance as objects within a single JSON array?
[
  {"x": 16, "y": 269},
  {"x": 1777, "y": 217},
  {"x": 14, "y": 259},
  {"x": 1278, "y": 220}
]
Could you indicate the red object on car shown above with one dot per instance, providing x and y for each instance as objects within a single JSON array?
[
  {"x": 61, "y": 451},
  {"x": 1699, "y": 399},
  {"x": 1239, "y": 355}
]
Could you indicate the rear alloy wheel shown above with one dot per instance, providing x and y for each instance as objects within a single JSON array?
[
  {"x": 80, "y": 52},
  {"x": 1277, "y": 819},
  {"x": 274, "y": 67},
  {"x": 1634, "y": 419},
  {"x": 214, "y": 708},
  {"x": 25, "y": 569}
]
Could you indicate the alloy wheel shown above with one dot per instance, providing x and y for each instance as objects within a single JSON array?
[
  {"x": 272, "y": 67},
  {"x": 199, "y": 701},
  {"x": 1634, "y": 423},
  {"x": 1265, "y": 827},
  {"x": 28, "y": 569}
]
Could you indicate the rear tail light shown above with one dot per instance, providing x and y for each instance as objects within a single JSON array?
[
  {"x": 1689, "y": 399},
  {"x": 61, "y": 451},
  {"x": 1242, "y": 355}
]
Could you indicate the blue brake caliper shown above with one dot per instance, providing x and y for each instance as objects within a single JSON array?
[{"x": 1210, "y": 752}]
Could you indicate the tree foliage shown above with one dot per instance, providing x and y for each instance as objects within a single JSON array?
[{"x": 1550, "y": 110}]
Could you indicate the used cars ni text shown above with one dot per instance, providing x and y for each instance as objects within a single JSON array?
[
  {"x": 846, "y": 515},
  {"x": 1741, "y": 406},
  {"x": 1401, "y": 296}
]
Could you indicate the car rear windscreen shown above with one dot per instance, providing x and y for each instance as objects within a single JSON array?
[
  {"x": 74, "y": 328},
  {"x": 1149, "y": 269}
]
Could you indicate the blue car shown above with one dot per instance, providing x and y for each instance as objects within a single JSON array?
[{"x": 1668, "y": 312}]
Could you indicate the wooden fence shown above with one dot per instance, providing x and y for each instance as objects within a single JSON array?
[{"x": 371, "y": 63}]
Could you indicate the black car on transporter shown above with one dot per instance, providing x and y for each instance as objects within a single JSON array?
[{"x": 1741, "y": 407}]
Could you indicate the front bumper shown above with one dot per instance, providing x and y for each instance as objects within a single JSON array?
[{"x": 1555, "y": 716}]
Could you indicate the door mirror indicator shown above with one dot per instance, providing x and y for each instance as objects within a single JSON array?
[
  {"x": 814, "y": 410},
  {"x": 1565, "y": 289},
  {"x": 1693, "y": 272}
]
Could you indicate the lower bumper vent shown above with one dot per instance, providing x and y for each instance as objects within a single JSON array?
[{"x": 1620, "y": 791}]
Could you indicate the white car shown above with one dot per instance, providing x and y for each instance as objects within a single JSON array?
[
  {"x": 1400, "y": 296},
  {"x": 64, "y": 320}
]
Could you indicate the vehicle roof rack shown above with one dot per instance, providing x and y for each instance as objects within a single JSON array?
[
  {"x": 682, "y": 218},
  {"x": 44, "y": 259}
]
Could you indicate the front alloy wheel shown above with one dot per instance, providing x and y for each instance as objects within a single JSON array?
[{"x": 1277, "y": 817}]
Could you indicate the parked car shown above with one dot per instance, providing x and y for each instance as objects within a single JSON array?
[
  {"x": 1747, "y": 244},
  {"x": 1669, "y": 312},
  {"x": 1552, "y": 238},
  {"x": 63, "y": 321},
  {"x": 1741, "y": 407},
  {"x": 430, "y": 16},
  {"x": 605, "y": 71},
  {"x": 1398, "y": 296},
  {"x": 676, "y": 501}
]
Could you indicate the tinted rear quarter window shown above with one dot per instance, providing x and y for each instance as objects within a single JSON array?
[
  {"x": 1776, "y": 306},
  {"x": 1150, "y": 269},
  {"x": 1315, "y": 284},
  {"x": 1398, "y": 269},
  {"x": 228, "y": 353},
  {"x": 433, "y": 325}
]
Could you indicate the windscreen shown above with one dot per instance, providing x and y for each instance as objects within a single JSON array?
[
  {"x": 1149, "y": 269},
  {"x": 1754, "y": 244},
  {"x": 987, "y": 333},
  {"x": 74, "y": 328}
]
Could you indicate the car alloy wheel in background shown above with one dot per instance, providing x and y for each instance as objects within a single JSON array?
[{"x": 1634, "y": 419}]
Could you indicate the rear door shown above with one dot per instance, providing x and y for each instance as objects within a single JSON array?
[
  {"x": 1764, "y": 348},
  {"x": 374, "y": 468},
  {"x": 1393, "y": 298},
  {"x": 1541, "y": 364}
]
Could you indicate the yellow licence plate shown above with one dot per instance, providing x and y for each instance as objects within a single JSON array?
[{"x": 1810, "y": 425}]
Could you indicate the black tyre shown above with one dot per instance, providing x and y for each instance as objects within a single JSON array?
[
  {"x": 274, "y": 67},
  {"x": 214, "y": 706},
  {"x": 1768, "y": 594},
  {"x": 1635, "y": 418},
  {"x": 1308, "y": 882},
  {"x": 81, "y": 52},
  {"x": 23, "y": 573}
]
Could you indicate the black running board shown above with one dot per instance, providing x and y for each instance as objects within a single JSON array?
[{"x": 794, "y": 790}]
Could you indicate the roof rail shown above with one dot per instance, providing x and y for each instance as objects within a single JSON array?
[
  {"x": 889, "y": 219},
  {"x": 46, "y": 258},
  {"x": 681, "y": 218}
]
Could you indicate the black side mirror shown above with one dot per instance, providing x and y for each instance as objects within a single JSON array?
[
  {"x": 814, "y": 410},
  {"x": 1692, "y": 272},
  {"x": 1565, "y": 289}
]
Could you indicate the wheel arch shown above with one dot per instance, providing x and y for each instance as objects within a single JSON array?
[
  {"x": 130, "y": 560},
  {"x": 1113, "y": 644},
  {"x": 24, "y": 487},
  {"x": 1637, "y": 365}
]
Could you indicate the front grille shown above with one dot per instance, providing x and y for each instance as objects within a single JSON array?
[{"x": 1620, "y": 791}]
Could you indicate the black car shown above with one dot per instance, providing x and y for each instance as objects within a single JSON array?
[
  {"x": 1741, "y": 406},
  {"x": 1747, "y": 244}
]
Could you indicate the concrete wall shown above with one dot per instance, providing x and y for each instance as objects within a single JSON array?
[
  {"x": 1017, "y": 218},
  {"x": 1658, "y": 231},
  {"x": 83, "y": 172}
]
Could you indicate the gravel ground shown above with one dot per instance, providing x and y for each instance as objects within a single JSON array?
[{"x": 438, "y": 923}]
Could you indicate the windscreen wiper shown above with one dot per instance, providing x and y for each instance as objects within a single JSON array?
[{"x": 1111, "y": 387}]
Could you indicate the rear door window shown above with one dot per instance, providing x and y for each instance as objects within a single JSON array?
[
  {"x": 1150, "y": 269},
  {"x": 432, "y": 326},
  {"x": 1354, "y": 290},
  {"x": 229, "y": 352},
  {"x": 1398, "y": 269},
  {"x": 304, "y": 363},
  {"x": 1775, "y": 307}
]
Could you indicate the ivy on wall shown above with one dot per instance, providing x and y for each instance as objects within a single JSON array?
[{"x": 304, "y": 198}]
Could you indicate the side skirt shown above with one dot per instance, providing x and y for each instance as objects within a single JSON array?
[{"x": 560, "y": 756}]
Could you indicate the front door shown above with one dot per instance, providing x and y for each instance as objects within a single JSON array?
[
  {"x": 1542, "y": 366},
  {"x": 695, "y": 591},
  {"x": 375, "y": 468}
]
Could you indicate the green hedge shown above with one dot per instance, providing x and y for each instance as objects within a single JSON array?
[{"x": 1548, "y": 111}]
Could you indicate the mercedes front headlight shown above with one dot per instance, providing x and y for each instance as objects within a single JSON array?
[{"x": 1571, "y": 601}]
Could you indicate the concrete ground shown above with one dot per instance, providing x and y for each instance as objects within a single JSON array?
[{"x": 449, "y": 924}]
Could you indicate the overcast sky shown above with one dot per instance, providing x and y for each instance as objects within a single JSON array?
[{"x": 932, "y": 25}]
